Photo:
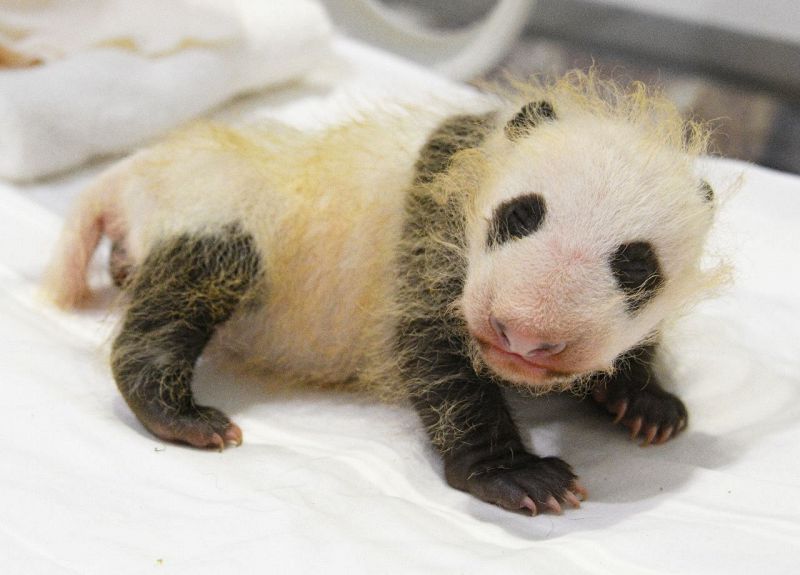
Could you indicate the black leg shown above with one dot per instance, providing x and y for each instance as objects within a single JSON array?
[
  {"x": 634, "y": 398},
  {"x": 185, "y": 288},
  {"x": 464, "y": 413},
  {"x": 469, "y": 423}
]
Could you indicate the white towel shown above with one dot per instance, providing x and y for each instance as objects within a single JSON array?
[
  {"x": 46, "y": 30},
  {"x": 116, "y": 73}
]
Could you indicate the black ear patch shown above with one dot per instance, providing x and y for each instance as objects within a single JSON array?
[
  {"x": 516, "y": 218},
  {"x": 453, "y": 135},
  {"x": 637, "y": 271},
  {"x": 707, "y": 191},
  {"x": 529, "y": 117}
]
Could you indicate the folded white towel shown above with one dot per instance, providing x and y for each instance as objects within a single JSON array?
[
  {"x": 131, "y": 74},
  {"x": 44, "y": 30}
]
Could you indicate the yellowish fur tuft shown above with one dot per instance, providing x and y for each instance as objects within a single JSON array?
[{"x": 634, "y": 103}]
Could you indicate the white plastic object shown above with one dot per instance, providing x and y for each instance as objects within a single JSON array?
[{"x": 460, "y": 54}]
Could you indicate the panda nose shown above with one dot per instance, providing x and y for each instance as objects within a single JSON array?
[{"x": 524, "y": 344}]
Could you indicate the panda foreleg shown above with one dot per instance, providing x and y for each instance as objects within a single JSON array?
[
  {"x": 470, "y": 424},
  {"x": 634, "y": 397},
  {"x": 184, "y": 289}
]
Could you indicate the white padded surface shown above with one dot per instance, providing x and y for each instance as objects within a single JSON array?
[{"x": 334, "y": 484}]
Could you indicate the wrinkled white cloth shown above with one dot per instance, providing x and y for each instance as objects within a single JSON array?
[
  {"x": 333, "y": 484},
  {"x": 116, "y": 73}
]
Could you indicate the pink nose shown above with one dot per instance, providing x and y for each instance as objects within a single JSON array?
[{"x": 524, "y": 344}]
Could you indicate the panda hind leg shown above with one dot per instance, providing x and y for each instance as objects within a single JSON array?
[
  {"x": 634, "y": 398},
  {"x": 184, "y": 289}
]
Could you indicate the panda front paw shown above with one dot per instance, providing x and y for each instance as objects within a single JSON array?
[
  {"x": 521, "y": 482},
  {"x": 196, "y": 425},
  {"x": 649, "y": 409}
]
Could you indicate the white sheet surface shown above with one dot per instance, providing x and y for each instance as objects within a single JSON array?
[{"x": 334, "y": 484}]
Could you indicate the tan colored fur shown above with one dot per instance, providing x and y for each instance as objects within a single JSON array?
[{"x": 325, "y": 210}]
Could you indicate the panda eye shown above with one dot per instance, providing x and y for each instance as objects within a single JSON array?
[
  {"x": 516, "y": 218},
  {"x": 636, "y": 269}
]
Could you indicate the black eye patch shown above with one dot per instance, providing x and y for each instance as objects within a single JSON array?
[
  {"x": 516, "y": 218},
  {"x": 638, "y": 274}
]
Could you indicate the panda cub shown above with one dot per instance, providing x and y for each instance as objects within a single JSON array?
[{"x": 424, "y": 254}]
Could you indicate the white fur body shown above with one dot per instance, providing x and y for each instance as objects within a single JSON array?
[
  {"x": 326, "y": 215},
  {"x": 327, "y": 212}
]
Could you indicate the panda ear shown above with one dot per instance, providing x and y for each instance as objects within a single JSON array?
[
  {"x": 528, "y": 117},
  {"x": 707, "y": 191}
]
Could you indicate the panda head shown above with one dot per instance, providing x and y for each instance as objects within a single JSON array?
[{"x": 584, "y": 236}]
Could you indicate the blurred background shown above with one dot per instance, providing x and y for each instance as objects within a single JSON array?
[{"x": 733, "y": 62}]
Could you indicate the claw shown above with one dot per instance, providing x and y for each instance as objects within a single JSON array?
[
  {"x": 620, "y": 410},
  {"x": 652, "y": 431},
  {"x": 552, "y": 505},
  {"x": 579, "y": 490},
  {"x": 528, "y": 503},
  {"x": 665, "y": 435},
  {"x": 636, "y": 427},
  {"x": 570, "y": 498},
  {"x": 216, "y": 442},
  {"x": 233, "y": 434}
]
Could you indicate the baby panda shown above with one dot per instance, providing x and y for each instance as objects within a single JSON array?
[{"x": 427, "y": 254}]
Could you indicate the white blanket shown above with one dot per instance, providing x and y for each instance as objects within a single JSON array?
[
  {"x": 334, "y": 484},
  {"x": 115, "y": 73}
]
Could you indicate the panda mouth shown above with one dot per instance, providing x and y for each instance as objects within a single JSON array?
[{"x": 519, "y": 366}]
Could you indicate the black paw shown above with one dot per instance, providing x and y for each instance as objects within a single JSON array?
[
  {"x": 524, "y": 482},
  {"x": 198, "y": 425},
  {"x": 658, "y": 414}
]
